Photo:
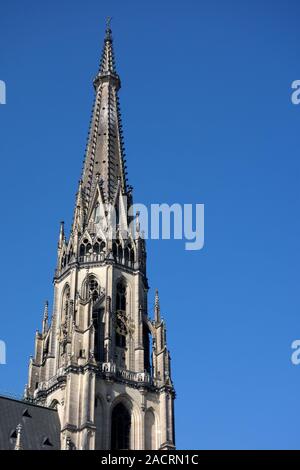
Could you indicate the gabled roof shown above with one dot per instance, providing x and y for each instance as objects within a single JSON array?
[{"x": 40, "y": 425}]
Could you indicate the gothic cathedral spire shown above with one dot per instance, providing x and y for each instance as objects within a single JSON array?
[
  {"x": 105, "y": 157},
  {"x": 101, "y": 360}
]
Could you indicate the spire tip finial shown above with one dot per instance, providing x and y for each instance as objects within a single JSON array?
[
  {"x": 108, "y": 28},
  {"x": 18, "y": 445}
]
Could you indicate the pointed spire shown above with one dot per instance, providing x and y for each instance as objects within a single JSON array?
[
  {"x": 61, "y": 235},
  {"x": 18, "y": 445},
  {"x": 78, "y": 218},
  {"x": 45, "y": 318},
  {"x": 157, "y": 308},
  {"x": 105, "y": 150}
]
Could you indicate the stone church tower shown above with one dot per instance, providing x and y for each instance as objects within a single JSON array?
[{"x": 101, "y": 361}]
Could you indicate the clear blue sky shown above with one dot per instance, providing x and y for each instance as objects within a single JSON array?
[{"x": 207, "y": 119}]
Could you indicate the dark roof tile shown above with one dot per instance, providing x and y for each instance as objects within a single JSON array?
[{"x": 42, "y": 431}]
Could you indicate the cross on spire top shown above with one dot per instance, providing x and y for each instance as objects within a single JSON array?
[
  {"x": 108, "y": 21},
  {"x": 108, "y": 27}
]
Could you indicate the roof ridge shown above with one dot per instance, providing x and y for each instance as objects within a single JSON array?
[{"x": 26, "y": 402}]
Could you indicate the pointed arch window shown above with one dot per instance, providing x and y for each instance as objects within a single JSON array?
[
  {"x": 118, "y": 251},
  {"x": 121, "y": 323},
  {"x": 85, "y": 248},
  {"x": 82, "y": 251},
  {"x": 91, "y": 288},
  {"x": 120, "y": 428},
  {"x": 126, "y": 256},
  {"x": 129, "y": 255},
  {"x": 99, "y": 246},
  {"x": 121, "y": 297},
  {"x": 65, "y": 303},
  {"x": 96, "y": 248}
]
